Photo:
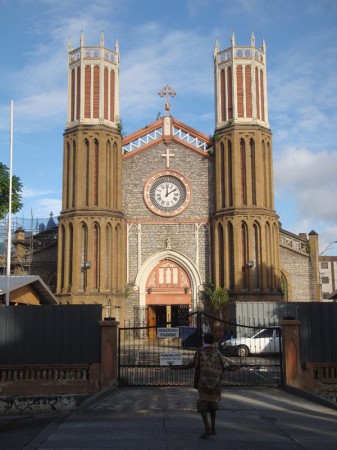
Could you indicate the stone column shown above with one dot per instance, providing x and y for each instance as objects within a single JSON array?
[{"x": 109, "y": 355}]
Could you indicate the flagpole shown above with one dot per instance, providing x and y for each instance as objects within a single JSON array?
[{"x": 9, "y": 228}]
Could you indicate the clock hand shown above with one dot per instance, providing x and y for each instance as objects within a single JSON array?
[{"x": 171, "y": 191}]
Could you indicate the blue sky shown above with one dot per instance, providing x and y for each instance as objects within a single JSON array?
[{"x": 172, "y": 43}]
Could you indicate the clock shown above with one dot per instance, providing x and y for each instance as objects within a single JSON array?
[{"x": 167, "y": 193}]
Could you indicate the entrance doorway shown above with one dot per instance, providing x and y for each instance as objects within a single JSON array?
[
  {"x": 168, "y": 295},
  {"x": 167, "y": 316}
]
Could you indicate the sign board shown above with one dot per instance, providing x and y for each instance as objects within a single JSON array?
[
  {"x": 174, "y": 358},
  {"x": 167, "y": 333}
]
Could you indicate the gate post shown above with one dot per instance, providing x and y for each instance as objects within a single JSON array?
[
  {"x": 291, "y": 352},
  {"x": 108, "y": 352}
]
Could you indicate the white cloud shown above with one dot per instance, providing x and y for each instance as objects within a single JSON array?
[
  {"x": 28, "y": 192},
  {"x": 41, "y": 208},
  {"x": 307, "y": 181}
]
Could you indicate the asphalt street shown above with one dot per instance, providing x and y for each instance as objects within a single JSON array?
[{"x": 165, "y": 418}]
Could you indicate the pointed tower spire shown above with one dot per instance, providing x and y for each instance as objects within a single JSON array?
[
  {"x": 102, "y": 39},
  {"x": 216, "y": 47},
  {"x": 263, "y": 45},
  {"x": 82, "y": 39},
  {"x": 70, "y": 47},
  {"x": 253, "y": 40},
  {"x": 233, "y": 39},
  {"x": 117, "y": 49}
]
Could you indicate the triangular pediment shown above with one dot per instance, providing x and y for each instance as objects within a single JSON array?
[{"x": 166, "y": 129}]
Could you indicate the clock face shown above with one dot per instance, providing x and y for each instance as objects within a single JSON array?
[{"x": 167, "y": 193}]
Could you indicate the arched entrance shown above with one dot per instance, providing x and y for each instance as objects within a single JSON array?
[{"x": 168, "y": 295}]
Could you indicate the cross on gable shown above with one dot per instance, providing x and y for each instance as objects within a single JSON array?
[{"x": 167, "y": 156}]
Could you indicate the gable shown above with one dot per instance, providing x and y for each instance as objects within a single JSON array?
[{"x": 167, "y": 130}]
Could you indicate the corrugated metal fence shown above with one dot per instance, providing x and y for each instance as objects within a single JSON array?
[
  {"x": 50, "y": 334},
  {"x": 318, "y": 324}
]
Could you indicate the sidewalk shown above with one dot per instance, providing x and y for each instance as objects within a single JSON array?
[{"x": 151, "y": 418}]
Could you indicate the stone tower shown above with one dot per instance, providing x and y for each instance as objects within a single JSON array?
[
  {"x": 245, "y": 225},
  {"x": 92, "y": 228}
]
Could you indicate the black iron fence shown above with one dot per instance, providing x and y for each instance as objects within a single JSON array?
[{"x": 144, "y": 352}]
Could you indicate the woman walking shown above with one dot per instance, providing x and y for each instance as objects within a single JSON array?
[{"x": 209, "y": 368}]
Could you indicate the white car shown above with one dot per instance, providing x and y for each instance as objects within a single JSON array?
[{"x": 264, "y": 341}]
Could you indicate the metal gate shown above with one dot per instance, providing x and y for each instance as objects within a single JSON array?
[{"x": 144, "y": 352}]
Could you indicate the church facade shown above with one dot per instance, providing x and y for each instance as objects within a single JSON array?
[{"x": 149, "y": 220}]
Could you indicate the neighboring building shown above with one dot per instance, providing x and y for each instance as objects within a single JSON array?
[
  {"x": 26, "y": 290},
  {"x": 36, "y": 252},
  {"x": 147, "y": 221},
  {"x": 328, "y": 275}
]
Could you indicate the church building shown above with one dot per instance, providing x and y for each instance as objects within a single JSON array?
[{"x": 148, "y": 220}]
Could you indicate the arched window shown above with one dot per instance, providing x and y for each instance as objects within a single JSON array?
[
  {"x": 86, "y": 178},
  {"x": 96, "y": 171},
  {"x": 257, "y": 93},
  {"x": 243, "y": 172},
  {"x": 268, "y": 256},
  {"x": 96, "y": 93},
  {"x": 230, "y": 173},
  {"x": 112, "y": 95},
  {"x": 248, "y": 83},
  {"x": 221, "y": 255},
  {"x": 108, "y": 171},
  {"x": 96, "y": 257},
  {"x": 244, "y": 255},
  {"x": 239, "y": 78},
  {"x": 222, "y": 176},
  {"x": 108, "y": 257},
  {"x": 78, "y": 93},
  {"x": 222, "y": 95},
  {"x": 230, "y": 93},
  {"x": 73, "y": 176},
  {"x": 106, "y": 90},
  {"x": 62, "y": 239},
  {"x": 84, "y": 256},
  {"x": 67, "y": 171},
  {"x": 72, "y": 101},
  {"x": 230, "y": 238},
  {"x": 253, "y": 170},
  {"x": 117, "y": 249},
  {"x": 257, "y": 256},
  {"x": 71, "y": 252},
  {"x": 87, "y": 90},
  {"x": 262, "y": 95},
  {"x": 115, "y": 177}
]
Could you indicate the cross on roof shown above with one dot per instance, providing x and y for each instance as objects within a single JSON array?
[{"x": 168, "y": 92}]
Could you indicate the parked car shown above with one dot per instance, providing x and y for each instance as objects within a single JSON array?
[{"x": 266, "y": 340}]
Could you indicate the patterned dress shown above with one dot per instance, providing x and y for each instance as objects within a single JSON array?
[{"x": 209, "y": 385}]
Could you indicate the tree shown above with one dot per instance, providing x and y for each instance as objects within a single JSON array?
[
  {"x": 4, "y": 192},
  {"x": 217, "y": 296}
]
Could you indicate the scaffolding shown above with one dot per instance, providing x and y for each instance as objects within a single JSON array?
[{"x": 32, "y": 231}]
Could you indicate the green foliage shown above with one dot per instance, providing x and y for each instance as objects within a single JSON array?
[
  {"x": 120, "y": 126},
  {"x": 216, "y": 295},
  {"x": 209, "y": 288},
  {"x": 4, "y": 192},
  {"x": 219, "y": 298}
]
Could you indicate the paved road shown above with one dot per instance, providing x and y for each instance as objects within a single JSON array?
[{"x": 151, "y": 418}]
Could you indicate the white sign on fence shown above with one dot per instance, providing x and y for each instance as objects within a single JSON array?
[
  {"x": 174, "y": 358},
  {"x": 167, "y": 333}
]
